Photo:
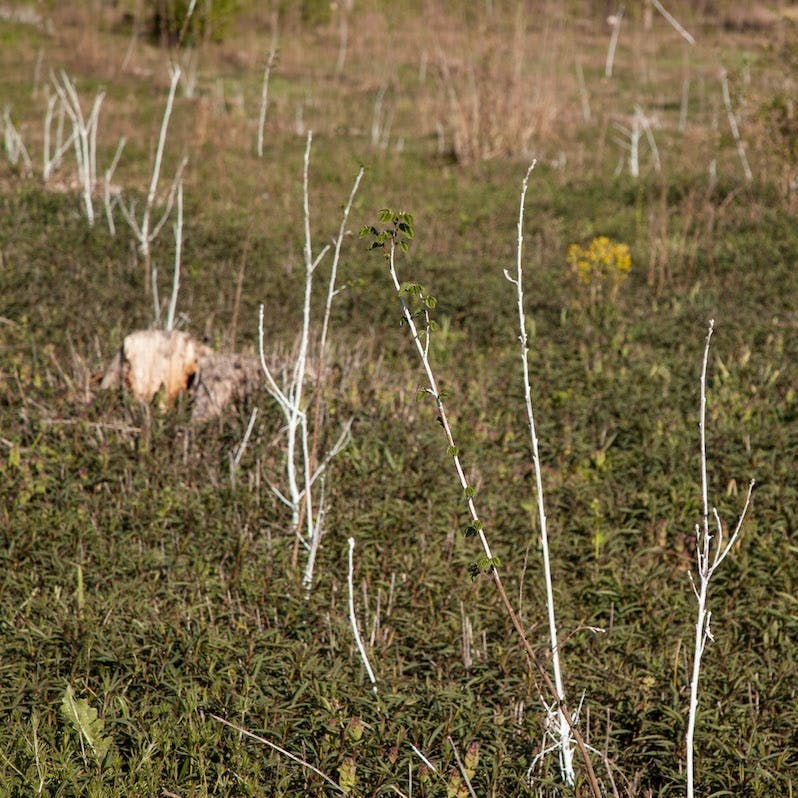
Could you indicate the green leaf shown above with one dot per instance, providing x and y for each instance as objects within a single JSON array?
[
  {"x": 403, "y": 246},
  {"x": 85, "y": 720},
  {"x": 430, "y": 302},
  {"x": 347, "y": 775},
  {"x": 452, "y": 451},
  {"x": 469, "y": 492}
]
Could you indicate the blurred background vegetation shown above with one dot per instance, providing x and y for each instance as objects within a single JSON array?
[{"x": 143, "y": 574}]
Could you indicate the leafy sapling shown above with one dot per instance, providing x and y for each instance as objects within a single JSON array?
[{"x": 396, "y": 232}]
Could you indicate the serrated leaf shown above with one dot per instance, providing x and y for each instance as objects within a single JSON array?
[{"x": 86, "y": 722}]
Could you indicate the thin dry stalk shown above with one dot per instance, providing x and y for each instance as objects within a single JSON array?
[
  {"x": 178, "y": 233},
  {"x": 303, "y": 467},
  {"x": 353, "y": 618},
  {"x": 562, "y": 733},
  {"x": 616, "y": 30},
  {"x": 264, "y": 100},
  {"x": 145, "y": 231},
  {"x": 673, "y": 22},
  {"x": 275, "y": 747},
  {"x": 710, "y": 553},
  {"x": 724, "y": 82},
  {"x": 107, "y": 193},
  {"x": 461, "y": 767}
]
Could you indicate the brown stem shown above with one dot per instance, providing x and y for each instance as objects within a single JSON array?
[
  {"x": 240, "y": 284},
  {"x": 535, "y": 665}
]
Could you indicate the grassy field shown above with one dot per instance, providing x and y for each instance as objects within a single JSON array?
[{"x": 148, "y": 590}]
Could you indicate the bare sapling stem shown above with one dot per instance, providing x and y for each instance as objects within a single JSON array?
[
  {"x": 178, "y": 232},
  {"x": 563, "y": 732},
  {"x": 50, "y": 164},
  {"x": 710, "y": 553},
  {"x": 488, "y": 564},
  {"x": 584, "y": 96},
  {"x": 724, "y": 82},
  {"x": 673, "y": 22},
  {"x": 174, "y": 73},
  {"x": 245, "y": 440},
  {"x": 144, "y": 231},
  {"x": 107, "y": 193},
  {"x": 264, "y": 100},
  {"x": 15, "y": 146},
  {"x": 345, "y": 9},
  {"x": 353, "y": 619},
  {"x": 321, "y": 367},
  {"x": 303, "y": 466},
  {"x": 616, "y": 20},
  {"x": 332, "y": 291},
  {"x": 84, "y": 138}
]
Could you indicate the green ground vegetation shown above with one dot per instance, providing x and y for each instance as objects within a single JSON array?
[{"x": 145, "y": 588}]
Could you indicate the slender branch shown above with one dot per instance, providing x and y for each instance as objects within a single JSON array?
[
  {"x": 460, "y": 766},
  {"x": 353, "y": 619},
  {"x": 616, "y": 29},
  {"x": 279, "y": 750},
  {"x": 566, "y": 752},
  {"x": 724, "y": 82},
  {"x": 109, "y": 173},
  {"x": 673, "y": 22},
  {"x": 178, "y": 231},
  {"x": 243, "y": 447},
  {"x": 708, "y": 559},
  {"x": 264, "y": 100}
]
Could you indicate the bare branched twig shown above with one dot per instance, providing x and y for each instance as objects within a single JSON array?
[{"x": 710, "y": 553}]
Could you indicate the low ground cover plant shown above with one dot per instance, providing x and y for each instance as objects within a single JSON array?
[{"x": 150, "y": 588}]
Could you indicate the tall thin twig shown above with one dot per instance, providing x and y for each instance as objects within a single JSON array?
[
  {"x": 279, "y": 749},
  {"x": 353, "y": 618},
  {"x": 724, "y": 83},
  {"x": 710, "y": 553},
  {"x": 563, "y": 732}
]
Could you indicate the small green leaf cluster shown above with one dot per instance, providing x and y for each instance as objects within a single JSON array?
[
  {"x": 474, "y": 528},
  {"x": 484, "y": 565},
  {"x": 398, "y": 229}
]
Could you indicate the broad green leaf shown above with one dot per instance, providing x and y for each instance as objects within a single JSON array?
[{"x": 85, "y": 720}]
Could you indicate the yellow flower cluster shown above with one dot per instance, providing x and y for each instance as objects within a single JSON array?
[{"x": 603, "y": 264}]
